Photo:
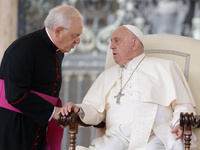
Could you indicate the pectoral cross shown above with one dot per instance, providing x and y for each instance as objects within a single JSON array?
[{"x": 118, "y": 96}]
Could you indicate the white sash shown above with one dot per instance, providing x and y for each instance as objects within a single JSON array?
[{"x": 142, "y": 125}]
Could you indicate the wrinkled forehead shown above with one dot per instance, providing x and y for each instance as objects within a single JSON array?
[{"x": 121, "y": 32}]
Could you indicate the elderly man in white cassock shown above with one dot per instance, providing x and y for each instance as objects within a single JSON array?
[{"x": 140, "y": 98}]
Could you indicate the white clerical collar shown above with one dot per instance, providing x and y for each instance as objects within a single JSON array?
[
  {"x": 46, "y": 29},
  {"x": 134, "y": 61}
]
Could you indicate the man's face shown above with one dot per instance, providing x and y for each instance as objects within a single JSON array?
[
  {"x": 121, "y": 45},
  {"x": 69, "y": 37}
]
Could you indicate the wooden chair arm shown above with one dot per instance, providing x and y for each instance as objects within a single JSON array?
[
  {"x": 73, "y": 120},
  {"x": 187, "y": 122}
]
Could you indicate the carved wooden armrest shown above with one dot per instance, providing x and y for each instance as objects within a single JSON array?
[
  {"x": 187, "y": 122},
  {"x": 73, "y": 120}
]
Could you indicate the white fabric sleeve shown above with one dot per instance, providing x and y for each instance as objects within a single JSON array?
[
  {"x": 178, "y": 108},
  {"x": 89, "y": 115},
  {"x": 81, "y": 112},
  {"x": 52, "y": 114}
]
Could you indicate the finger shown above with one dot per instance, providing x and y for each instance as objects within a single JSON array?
[
  {"x": 179, "y": 135},
  {"x": 69, "y": 107},
  {"x": 62, "y": 111},
  {"x": 76, "y": 108},
  {"x": 174, "y": 131},
  {"x": 177, "y": 138},
  {"x": 65, "y": 110}
]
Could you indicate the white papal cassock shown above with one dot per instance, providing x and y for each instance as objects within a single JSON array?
[{"x": 154, "y": 97}]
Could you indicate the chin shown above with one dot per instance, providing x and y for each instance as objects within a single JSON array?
[
  {"x": 65, "y": 50},
  {"x": 116, "y": 61},
  {"x": 68, "y": 50}
]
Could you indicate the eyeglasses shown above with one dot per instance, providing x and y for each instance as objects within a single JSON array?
[{"x": 74, "y": 36}]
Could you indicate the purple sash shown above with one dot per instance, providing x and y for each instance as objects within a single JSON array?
[{"x": 54, "y": 133}]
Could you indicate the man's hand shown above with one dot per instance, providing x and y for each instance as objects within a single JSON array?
[
  {"x": 56, "y": 113},
  {"x": 178, "y": 131},
  {"x": 65, "y": 110}
]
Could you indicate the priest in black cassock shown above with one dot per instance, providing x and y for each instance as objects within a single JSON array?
[{"x": 30, "y": 81}]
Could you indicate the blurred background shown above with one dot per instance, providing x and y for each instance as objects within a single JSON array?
[{"x": 101, "y": 17}]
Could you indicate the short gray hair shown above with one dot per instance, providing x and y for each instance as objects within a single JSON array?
[{"x": 61, "y": 16}]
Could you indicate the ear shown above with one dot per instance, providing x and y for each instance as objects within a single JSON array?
[
  {"x": 57, "y": 31},
  {"x": 134, "y": 44}
]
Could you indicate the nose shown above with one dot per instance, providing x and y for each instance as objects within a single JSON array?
[
  {"x": 111, "y": 46},
  {"x": 78, "y": 40}
]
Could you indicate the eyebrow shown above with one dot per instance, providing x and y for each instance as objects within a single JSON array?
[
  {"x": 78, "y": 34},
  {"x": 115, "y": 38}
]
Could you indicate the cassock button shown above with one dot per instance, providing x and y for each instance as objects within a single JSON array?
[
  {"x": 56, "y": 68},
  {"x": 35, "y": 143},
  {"x": 54, "y": 91},
  {"x": 55, "y": 84},
  {"x": 58, "y": 76}
]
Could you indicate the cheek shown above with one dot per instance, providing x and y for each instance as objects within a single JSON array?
[
  {"x": 123, "y": 52},
  {"x": 66, "y": 39},
  {"x": 67, "y": 43}
]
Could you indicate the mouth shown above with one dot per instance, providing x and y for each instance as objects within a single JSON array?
[{"x": 114, "y": 54}]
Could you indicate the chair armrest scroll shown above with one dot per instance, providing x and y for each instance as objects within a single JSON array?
[
  {"x": 186, "y": 122},
  {"x": 73, "y": 118}
]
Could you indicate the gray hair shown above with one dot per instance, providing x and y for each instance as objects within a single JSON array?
[{"x": 61, "y": 16}]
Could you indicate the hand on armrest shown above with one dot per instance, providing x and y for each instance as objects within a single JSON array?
[{"x": 73, "y": 118}]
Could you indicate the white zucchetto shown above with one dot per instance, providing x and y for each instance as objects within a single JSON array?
[{"x": 135, "y": 30}]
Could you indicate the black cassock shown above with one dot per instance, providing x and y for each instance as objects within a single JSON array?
[{"x": 32, "y": 62}]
